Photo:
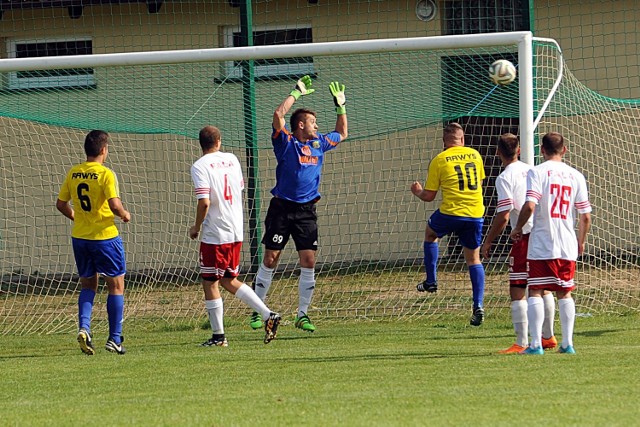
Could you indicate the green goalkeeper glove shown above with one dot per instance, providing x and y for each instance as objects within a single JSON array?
[
  {"x": 337, "y": 90},
  {"x": 303, "y": 87}
]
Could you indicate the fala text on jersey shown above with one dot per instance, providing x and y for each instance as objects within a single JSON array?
[
  {"x": 221, "y": 164},
  {"x": 306, "y": 158},
  {"x": 458, "y": 157},
  {"x": 560, "y": 174}
]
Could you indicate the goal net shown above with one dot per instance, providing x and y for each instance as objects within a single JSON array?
[{"x": 399, "y": 92}]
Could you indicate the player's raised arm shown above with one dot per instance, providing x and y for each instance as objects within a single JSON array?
[
  {"x": 303, "y": 87},
  {"x": 339, "y": 99}
]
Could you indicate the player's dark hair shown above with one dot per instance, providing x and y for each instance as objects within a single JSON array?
[
  {"x": 298, "y": 116},
  {"x": 553, "y": 143},
  {"x": 450, "y": 131},
  {"x": 209, "y": 137},
  {"x": 94, "y": 142},
  {"x": 508, "y": 145}
]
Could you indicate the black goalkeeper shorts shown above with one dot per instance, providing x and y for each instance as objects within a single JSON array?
[{"x": 285, "y": 219}]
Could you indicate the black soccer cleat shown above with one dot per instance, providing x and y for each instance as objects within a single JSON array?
[
  {"x": 216, "y": 340},
  {"x": 477, "y": 317},
  {"x": 271, "y": 327},
  {"x": 427, "y": 287},
  {"x": 115, "y": 348}
]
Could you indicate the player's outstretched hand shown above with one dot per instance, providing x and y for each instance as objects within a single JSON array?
[
  {"x": 303, "y": 87},
  {"x": 337, "y": 90}
]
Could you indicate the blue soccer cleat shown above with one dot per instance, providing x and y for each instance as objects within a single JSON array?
[
  {"x": 529, "y": 350},
  {"x": 567, "y": 350}
]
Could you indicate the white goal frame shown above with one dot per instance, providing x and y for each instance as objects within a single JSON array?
[{"x": 523, "y": 40}]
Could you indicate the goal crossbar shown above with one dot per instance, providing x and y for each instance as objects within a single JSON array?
[{"x": 523, "y": 39}]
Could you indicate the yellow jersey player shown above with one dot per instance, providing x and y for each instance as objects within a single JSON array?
[
  {"x": 458, "y": 171},
  {"x": 97, "y": 246}
]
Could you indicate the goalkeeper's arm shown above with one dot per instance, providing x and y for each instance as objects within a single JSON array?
[
  {"x": 303, "y": 87},
  {"x": 339, "y": 99}
]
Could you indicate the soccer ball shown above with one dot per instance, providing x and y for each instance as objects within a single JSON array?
[{"x": 502, "y": 72}]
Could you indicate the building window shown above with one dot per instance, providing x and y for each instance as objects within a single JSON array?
[
  {"x": 485, "y": 16},
  {"x": 269, "y": 36},
  {"x": 44, "y": 79}
]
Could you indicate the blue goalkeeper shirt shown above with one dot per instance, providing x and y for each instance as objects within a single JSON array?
[{"x": 300, "y": 164}]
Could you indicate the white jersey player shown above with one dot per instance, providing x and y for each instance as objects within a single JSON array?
[
  {"x": 218, "y": 177},
  {"x": 218, "y": 182},
  {"x": 554, "y": 191},
  {"x": 511, "y": 186},
  {"x": 558, "y": 190}
]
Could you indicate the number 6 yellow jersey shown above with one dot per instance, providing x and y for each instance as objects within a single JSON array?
[
  {"x": 458, "y": 172},
  {"x": 89, "y": 186}
]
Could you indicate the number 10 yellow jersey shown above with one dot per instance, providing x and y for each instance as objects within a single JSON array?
[{"x": 458, "y": 172}]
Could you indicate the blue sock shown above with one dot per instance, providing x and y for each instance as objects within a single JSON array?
[
  {"x": 115, "y": 310},
  {"x": 85, "y": 307},
  {"x": 430, "y": 260},
  {"x": 476, "y": 272}
]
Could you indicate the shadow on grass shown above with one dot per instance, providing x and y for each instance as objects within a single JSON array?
[
  {"x": 597, "y": 333},
  {"x": 387, "y": 356}
]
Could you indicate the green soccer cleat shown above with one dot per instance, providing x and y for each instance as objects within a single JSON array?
[
  {"x": 304, "y": 323},
  {"x": 255, "y": 321}
]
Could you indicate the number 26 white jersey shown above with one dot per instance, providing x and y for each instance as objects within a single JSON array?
[
  {"x": 218, "y": 177},
  {"x": 558, "y": 190}
]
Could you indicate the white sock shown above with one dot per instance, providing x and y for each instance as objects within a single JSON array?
[
  {"x": 215, "y": 310},
  {"x": 520, "y": 323},
  {"x": 306, "y": 285},
  {"x": 247, "y": 296},
  {"x": 567, "y": 308},
  {"x": 549, "y": 315},
  {"x": 263, "y": 280},
  {"x": 535, "y": 313}
]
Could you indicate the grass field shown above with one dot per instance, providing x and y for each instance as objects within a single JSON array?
[{"x": 435, "y": 373}]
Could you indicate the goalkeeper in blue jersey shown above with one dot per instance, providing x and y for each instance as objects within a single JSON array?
[
  {"x": 458, "y": 171},
  {"x": 299, "y": 151}
]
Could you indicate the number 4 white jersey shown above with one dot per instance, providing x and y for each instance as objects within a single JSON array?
[
  {"x": 558, "y": 190},
  {"x": 218, "y": 177}
]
